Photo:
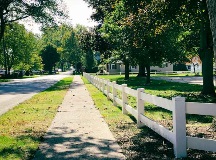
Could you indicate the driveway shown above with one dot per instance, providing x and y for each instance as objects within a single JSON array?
[
  {"x": 14, "y": 92},
  {"x": 190, "y": 80}
]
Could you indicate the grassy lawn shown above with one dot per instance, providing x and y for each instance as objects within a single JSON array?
[
  {"x": 138, "y": 143},
  {"x": 22, "y": 128},
  {"x": 4, "y": 80},
  {"x": 164, "y": 89}
]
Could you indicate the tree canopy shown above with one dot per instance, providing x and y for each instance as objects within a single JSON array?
[
  {"x": 153, "y": 32},
  {"x": 46, "y": 12},
  {"x": 50, "y": 57}
]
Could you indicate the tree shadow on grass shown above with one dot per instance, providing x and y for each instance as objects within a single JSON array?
[
  {"x": 21, "y": 147},
  {"x": 148, "y": 145}
]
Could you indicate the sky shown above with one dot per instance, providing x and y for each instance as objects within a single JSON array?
[{"x": 79, "y": 12}]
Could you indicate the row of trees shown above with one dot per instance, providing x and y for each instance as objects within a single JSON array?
[
  {"x": 60, "y": 44},
  {"x": 19, "y": 47},
  {"x": 149, "y": 33},
  {"x": 58, "y": 47}
]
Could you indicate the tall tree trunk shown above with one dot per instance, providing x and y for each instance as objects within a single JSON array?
[
  {"x": 211, "y": 5},
  {"x": 141, "y": 70},
  {"x": 2, "y": 26},
  {"x": 194, "y": 68},
  {"x": 206, "y": 55},
  {"x": 126, "y": 69},
  {"x": 5, "y": 57},
  {"x": 148, "y": 74}
]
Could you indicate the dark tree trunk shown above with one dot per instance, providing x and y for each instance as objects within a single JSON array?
[
  {"x": 207, "y": 71},
  {"x": 2, "y": 26},
  {"x": 141, "y": 70},
  {"x": 148, "y": 74},
  {"x": 194, "y": 68},
  {"x": 211, "y": 4},
  {"x": 126, "y": 70},
  {"x": 5, "y": 57},
  {"x": 206, "y": 55}
]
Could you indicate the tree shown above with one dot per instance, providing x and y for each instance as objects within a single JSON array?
[
  {"x": 188, "y": 15},
  {"x": 43, "y": 11},
  {"x": 102, "y": 8},
  {"x": 65, "y": 39},
  {"x": 86, "y": 44},
  {"x": 211, "y": 4},
  {"x": 19, "y": 48},
  {"x": 71, "y": 48},
  {"x": 50, "y": 57}
]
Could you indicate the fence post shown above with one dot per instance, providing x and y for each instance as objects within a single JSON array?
[
  {"x": 124, "y": 99},
  {"x": 114, "y": 92},
  {"x": 140, "y": 106},
  {"x": 108, "y": 89},
  {"x": 97, "y": 82},
  {"x": 100, "y": 84},
  {"x": 179, "y": 127},
  {"x": 103, "y": 85}
]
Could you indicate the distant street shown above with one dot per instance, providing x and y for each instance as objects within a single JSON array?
[{"x": 14, "y": 92}]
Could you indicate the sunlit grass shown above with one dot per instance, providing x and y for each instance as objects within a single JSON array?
[{"x": 22, "y": 128}]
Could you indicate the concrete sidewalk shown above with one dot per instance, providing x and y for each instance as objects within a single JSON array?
[{"x": 78, "y": 130}]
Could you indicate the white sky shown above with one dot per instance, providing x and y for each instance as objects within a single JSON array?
[{"x": 79, "y": 12}]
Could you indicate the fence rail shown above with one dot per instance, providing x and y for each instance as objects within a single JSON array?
[{"x": 177, "y": 105}]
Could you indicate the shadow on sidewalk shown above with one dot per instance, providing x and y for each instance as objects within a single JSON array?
[{"x": 61, "y": 145}]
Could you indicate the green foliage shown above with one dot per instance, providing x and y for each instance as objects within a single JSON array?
[
  {"x": 45, "y": 12},
  {"x": 153, "y": 32},
  {"x": 19, "y": 49},
  {"x": 50, "y": 56},
  {"x": 65, "y": 39},
  {"x": 86, "y": 42}
]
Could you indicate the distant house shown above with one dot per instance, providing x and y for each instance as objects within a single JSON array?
[{"x": 119, "y": 67}]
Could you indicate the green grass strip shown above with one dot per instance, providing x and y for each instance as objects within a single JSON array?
[{"x": 22, "y": 128}]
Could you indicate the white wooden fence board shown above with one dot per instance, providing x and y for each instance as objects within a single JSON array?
[
  {"x": 110, "y": 84},
  {"x": 119, "y": 87},
  {"x": 130, "y": 91},
  {"x": 201, "y": 144},
  {"x": 119, "y": 101},
  {"x": 105, "y": 92},
  {"x": 131, "y": 110},
  {"x": 159, "y": 101},
  {"x": 201, "y": 108},
  {"x": 158, "y": 128},
  {"x": 110, "y": 95}
]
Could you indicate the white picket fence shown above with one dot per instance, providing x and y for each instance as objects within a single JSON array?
[{"x": 177, "y": 105}]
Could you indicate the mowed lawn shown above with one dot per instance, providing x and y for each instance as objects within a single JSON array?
[{"x": 144, "y": 143}]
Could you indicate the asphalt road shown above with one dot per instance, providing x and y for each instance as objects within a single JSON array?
[{"x": 14, "y": 92}]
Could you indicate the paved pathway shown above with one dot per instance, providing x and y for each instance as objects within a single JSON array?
[{"x": 78, "y": 130}]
